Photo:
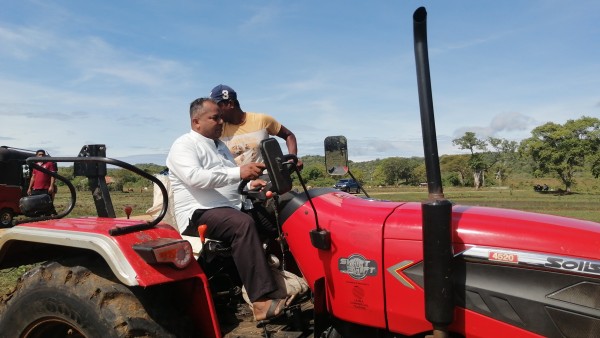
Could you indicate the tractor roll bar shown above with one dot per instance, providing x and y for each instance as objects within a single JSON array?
[{"x": 111, "y": 161}]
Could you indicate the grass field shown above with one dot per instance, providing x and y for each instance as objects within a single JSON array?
[
  {"x": 582, "y": 205},
  {"x": 139, "y": 200},
  {"x": 576, "y": 205}
]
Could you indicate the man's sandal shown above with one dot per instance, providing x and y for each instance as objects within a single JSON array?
[{"x": 275, "y": 309}]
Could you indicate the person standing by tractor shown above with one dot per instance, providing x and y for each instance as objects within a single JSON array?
[
  {"x": 243, "y": 131},
  {"x": 204, "y": 178},
  {"x": 42, "y": 183}
]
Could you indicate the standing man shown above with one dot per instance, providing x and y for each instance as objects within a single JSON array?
[
  {"x": 204, "y": 179},
  {"x": 42, "y": 183},
  {"x": 243, "y": 131}
]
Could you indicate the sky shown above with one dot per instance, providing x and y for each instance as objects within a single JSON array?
[{"x": 123, "y": 73}]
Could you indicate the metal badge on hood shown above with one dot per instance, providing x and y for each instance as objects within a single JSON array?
[{"x": 357, "y": 267}]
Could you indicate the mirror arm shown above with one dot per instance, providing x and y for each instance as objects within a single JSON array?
[
  {"x": 358, "y": 183},
  {"x": 308, "y": 197},
  {"x": 320, "y": 239}
]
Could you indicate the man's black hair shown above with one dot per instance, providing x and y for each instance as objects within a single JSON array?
[{"x": 197, "y": 104}]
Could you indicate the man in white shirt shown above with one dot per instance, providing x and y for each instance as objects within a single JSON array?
[{"x": 204, "y": 179}]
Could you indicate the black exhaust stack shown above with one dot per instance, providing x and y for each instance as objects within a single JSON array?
[{"x": 437, "y": 211}]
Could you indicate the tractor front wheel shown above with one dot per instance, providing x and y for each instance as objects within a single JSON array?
[{"x": 57, "y": 301}]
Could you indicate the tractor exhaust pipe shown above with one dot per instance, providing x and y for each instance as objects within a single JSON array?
[{"x": 436, "y": 211}]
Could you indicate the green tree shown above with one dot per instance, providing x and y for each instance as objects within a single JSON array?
[
  {"x": 457, "y": 164},
  {"x": 562, "y": 149},
  {"x": 66, "y": 172},
  {"x": 394, "y": 170},
  {"x": 596, "y": 166},
  {"x": 123, "y": 177},
  {"x": 503, "y": 157},
  {"x": 469, "y": 141},
  {"x": 419, "y": 173},
  {"x": 482, "y": 159},
  {"x": 313, "y": 172}
]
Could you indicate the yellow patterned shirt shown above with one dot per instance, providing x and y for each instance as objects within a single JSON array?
[{"x": 243, "y": 140}]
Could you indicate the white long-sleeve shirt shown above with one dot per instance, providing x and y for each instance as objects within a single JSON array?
[{"x": 203, "y": 175}]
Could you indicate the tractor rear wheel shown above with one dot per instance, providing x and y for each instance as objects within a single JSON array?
[{"x": 54, "y": 300}]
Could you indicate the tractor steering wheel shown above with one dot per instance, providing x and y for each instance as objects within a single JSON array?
[{"x": 257, "y": 193}]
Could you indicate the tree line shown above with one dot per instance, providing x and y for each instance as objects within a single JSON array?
[
  {"x": 118, "y": 179},
  {"x": 554, "y": 150}
]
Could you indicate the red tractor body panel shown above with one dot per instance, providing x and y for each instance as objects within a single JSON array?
[
  {"x": 474, "y": 226},
  {"x": 92, "y": 233},
  {"x": 405, "y": 299},
  {"x": 353, "y": 268},
  {"x": 146, "y": 274},
  {"x": 503, "y": 228},
  {"x": 374, "y": 242}
]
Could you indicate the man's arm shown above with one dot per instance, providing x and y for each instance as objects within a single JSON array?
[
  {"x": 290, "y": 142},
  {"x": 53, "y": 169},
  {"x": 51, "y": 187},
  {"x": 290, "y": 139},
  {"x": 31, "y": 182}
]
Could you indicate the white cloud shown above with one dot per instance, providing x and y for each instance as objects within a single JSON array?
[{"x": 23, "y": 43}]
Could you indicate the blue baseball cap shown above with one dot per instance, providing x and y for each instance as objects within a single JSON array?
[{"x": 223, "y": 93}]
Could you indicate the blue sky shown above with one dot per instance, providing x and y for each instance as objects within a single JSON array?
[{"x": 122, "y": 73}]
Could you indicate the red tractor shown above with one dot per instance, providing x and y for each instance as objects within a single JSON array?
[{"x": 374, "y": 268}]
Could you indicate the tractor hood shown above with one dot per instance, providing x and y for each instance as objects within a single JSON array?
[{"x": 503, "y": 228}]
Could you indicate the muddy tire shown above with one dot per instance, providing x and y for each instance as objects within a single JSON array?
[
  {"x": 53, "y": 300},
  {"x": 6, "y": 217}
]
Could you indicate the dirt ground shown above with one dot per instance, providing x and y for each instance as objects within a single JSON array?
[{"x": 296, "y": 322}]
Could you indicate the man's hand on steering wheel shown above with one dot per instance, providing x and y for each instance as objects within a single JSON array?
[
  {"x": 257, "y": 184},
  {"x": 257, "y": 189},
  {"x": 251, "y": 171}
]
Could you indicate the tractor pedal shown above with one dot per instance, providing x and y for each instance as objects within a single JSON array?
[
  {"x": 262, "y": 324},
  {"x": 294, "y": 316}
]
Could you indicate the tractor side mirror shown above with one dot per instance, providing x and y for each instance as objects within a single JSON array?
[
  {"x": 336, "y": 155},
  {"x": 277, "y": 165}
]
